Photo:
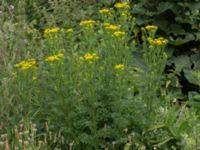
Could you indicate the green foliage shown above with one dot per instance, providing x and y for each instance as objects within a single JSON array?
[
  {"x": 98, "y": 88},
  {"x": 179, "y": 22},
  {"x": 44, "y": 13},
  {"x": 64, "y": 13}
]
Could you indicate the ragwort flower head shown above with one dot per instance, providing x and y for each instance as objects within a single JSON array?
[
  {"x": 88, "y": 23},
  {"x": 104, "y": 11},
  {"x": 90, "y": 56},
  {"x": 112, "y": 27},
  {"x": 151, "y": 27},
  {"x": 52, "y": 30},
  {"x": 158, "y": 41},
  {"x": 55, "y": 57},
  {"x": 119, "y": 34},
  {"x": 122, "y": 5},
  {"x": 119, "y": 67},
  {"x": 26, "y": 64},
  {"x": 69, "y": 30}
]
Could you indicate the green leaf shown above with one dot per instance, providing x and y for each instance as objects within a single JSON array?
[
  {"x": 180, "y": 41},
  {"x": 195, "y": 97},
  {"x": 163, "y": 142},
  {"x": 156, "y": 127},
  {"x": 183, "y": 127},
  {"x": 190, "y": 76},
  {"x": 163, "y": 6},
  {"x": 182, "y": 62},
  {"x": 194, "y": 104},
  {"x": 191, "y": 94}
]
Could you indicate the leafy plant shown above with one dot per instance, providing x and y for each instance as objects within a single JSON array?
[{"x": 97, "y": 81}]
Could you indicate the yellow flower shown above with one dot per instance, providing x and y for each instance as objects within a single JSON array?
[
  {"x": 101, "y": 11},
  {"x": 151, "y": 27},
  {"x": 158, "y": 41},
  {"x": 26, "y": 64},
  {"x": 88, "y": 23},
  {"x": 122, "y": 5},
  {"x": 52, "y": 30},
  {"x": 119, "y": 33},
  {"x": 69, "y": 30},
  {"x": 112, "y": 27},
  {"x": 55, "y": 57},
  {"x": 89, "y": 56},
  {"x": 119, "y": 67}
]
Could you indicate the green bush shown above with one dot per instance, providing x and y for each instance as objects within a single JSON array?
[
  {"x": 179, "y": 22},
  {"x": 45, "y": 13}
]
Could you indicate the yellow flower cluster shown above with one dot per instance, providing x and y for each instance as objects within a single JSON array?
[
  {"x": 55, "y": 57},
  {"x": 122, "y": 5},
  {"x": 104, "y": 10},
  {"x": 119, "y": 67},
  {"x": 114, "y": 28},
  {"x": 90, "y": 56},
  {"x": 26, "y": 64},
  {"x": 88, "y": 23},
  {"x": 158, "y": 41},
  {"x": 69, "y": 30},
  {"x": 151, "y": 27},
  {"x": 111, "y": 27},
  {"x": 119, "y": 33},
  {"x": 52, "y": 30},
  {"x": 56, "y": 30}
]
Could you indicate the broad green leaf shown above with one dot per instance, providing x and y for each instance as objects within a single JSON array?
[
  {"x": 196, "y": 98},
  {"x": 163, "y": 6},
  {"x": 192, "y": 76},
  {"x": 182, "y": 62},
  {"x": 194, "y": 104},
  {"x": 180, "y": 41}
]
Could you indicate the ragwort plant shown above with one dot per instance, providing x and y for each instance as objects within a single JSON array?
[
  {"x": 92, "y": 84},
  {"x": 85, "y": 88}
]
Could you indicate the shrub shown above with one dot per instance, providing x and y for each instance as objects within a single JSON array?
[
  {"x": 179, "y": 22},
  {"x": 88, "y": 84}
]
